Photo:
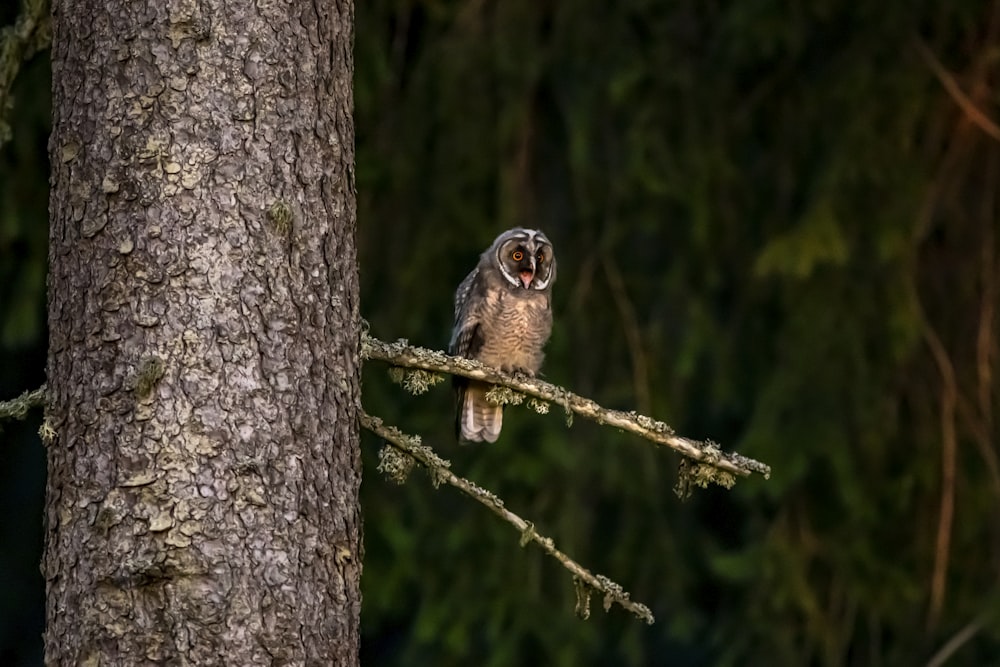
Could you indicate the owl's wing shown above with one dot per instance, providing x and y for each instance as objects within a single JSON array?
[
  {"x": 475, "y": 419},
  {"x": 465, "y": 336}
]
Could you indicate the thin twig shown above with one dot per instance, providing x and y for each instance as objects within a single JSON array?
[
  {"x": 980, "y": 421},
  {"x": 986, "y": 339},
  {"x": 633, "y": 333},
  {"x": 949, "y": 452},
  {"x": 980, "y": 119},
  {"x": 402, "y": 354},
  {"x": 440, "y": 472},
  {"x": 961, "y": 637}
]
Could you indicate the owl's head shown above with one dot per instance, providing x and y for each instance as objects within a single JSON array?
[{"x": 525, "y": 258}]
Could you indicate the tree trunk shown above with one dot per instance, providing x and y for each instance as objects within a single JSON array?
[{"x": 204, "y": 356}]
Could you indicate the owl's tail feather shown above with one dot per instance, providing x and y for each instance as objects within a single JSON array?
[{"x": 478, "y": 419}]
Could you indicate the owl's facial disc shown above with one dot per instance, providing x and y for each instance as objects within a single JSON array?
[{"x": 524, "y": 258}]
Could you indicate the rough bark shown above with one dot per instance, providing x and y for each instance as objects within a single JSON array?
[{"x": 204, "y": 364}]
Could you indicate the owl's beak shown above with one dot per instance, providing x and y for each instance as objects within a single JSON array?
[{"x": 528, "y": 274}]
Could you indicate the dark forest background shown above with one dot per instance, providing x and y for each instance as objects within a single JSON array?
[{"x": 777, "y": 227}]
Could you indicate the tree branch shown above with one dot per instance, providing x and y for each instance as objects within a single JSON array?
[
  {"x": 711, "y": 463},
  {"x": 439, "y": 468},
  {"x": 31, "y": 33}
]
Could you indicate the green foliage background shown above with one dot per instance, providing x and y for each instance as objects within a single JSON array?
[{"x": 775, "y": 229}]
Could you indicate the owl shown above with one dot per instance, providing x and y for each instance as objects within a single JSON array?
[{"x": 503, "y": 317}]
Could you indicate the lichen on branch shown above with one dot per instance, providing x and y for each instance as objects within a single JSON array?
[
  {"x": 17, "y": 408},
  {"x": 440, "y": 473},
  {"x": 715, "y": 466}
]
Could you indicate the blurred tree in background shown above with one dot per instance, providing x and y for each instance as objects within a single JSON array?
[
  {"x": 24, "y": 187},
  {"x": 777, "y": 228}
]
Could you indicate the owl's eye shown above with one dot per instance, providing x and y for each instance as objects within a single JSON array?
[
  {"x": 517, "y": 255},
  {"x": 540, "y": 257}
]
